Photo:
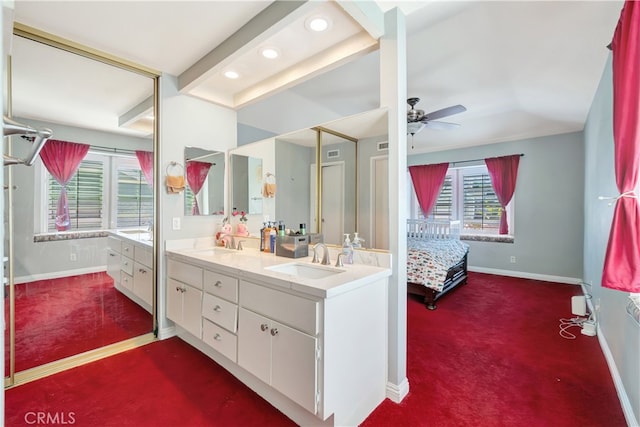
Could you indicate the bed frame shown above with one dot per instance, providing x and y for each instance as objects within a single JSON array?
[{"x": 457, "y": 275}]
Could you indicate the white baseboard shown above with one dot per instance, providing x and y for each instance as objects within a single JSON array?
[
  {"x": 526, "y": 275},
  {"x": 397, "y": 392},
  {"x": 58, "y": 274},
  {"x": 627, "y": 409}
]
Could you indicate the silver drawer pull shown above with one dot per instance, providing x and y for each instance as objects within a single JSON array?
[
  {"x": 143, "y": 271},
  {"x": 218, "y": 284},
  {"x": 178, "y": 289},
  {"x": 264, "y": 327},
  {"x": 217, "y": 337},
  {"x": 274, "y": 332},
  {"x": 217, "y": 308},
  {"x": 112, "y": 254}
]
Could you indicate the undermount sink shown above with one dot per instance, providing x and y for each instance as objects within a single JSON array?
[{"x": 307, "y": 271}]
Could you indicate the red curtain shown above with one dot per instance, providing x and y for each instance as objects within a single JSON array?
[
  {"x": 427, "y": 181},
  {"x": 62, "y": 159},
  {"x": 622, "y": 259},
  {"x": 196, "y": 175},
  {"x": 503, "y": 172},
  {"x": 145, "y": 158}
]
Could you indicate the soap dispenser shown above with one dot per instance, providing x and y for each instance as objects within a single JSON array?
[
  {"x": 357, "y": 241},
  {"x": 347, "y": 249}
]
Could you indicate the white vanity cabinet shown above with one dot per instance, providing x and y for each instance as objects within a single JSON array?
[
  {"x": 131, "y": 267},
  {"x": 317, "y": 355},
  {"x": 184, "y": 296}
]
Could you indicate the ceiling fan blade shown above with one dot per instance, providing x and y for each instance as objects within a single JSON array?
[
  {"x": 441, "y": 125},
  {"x": 449, "y": 111}
]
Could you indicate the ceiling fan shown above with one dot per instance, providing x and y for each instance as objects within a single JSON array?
[{"x": 418, "y": 120}]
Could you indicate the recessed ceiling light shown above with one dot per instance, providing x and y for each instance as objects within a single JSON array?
[
  {"x": 231, "y": 74},
  {"x": 269, "y": 52},
  {"x": 318, "y": 23}
]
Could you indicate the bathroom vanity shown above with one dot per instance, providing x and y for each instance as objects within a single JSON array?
[
  {"x": 130, "y": 265},
  {"x": 310, "y": 339}
]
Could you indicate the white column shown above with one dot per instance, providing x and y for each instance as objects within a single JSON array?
[{"x": 393, "y": 92}]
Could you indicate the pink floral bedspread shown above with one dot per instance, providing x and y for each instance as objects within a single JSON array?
[{"x": 429, "y": 260}]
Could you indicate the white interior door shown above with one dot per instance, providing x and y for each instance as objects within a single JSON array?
[
  {"x": 332, "y": 201},
  {"x": 380, "y": 203}
]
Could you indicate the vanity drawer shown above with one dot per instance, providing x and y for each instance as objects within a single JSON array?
[
  {"x": 220, "y": 311},
  {"x": 114, "y": 243},
  {"x": 292, "y": 310},
  {"x": 143, "y": 255},
  {"x": 127, "y": 249},
  {"x": 185, "y": 273},
  {"x": 220, "y": 285},
  {"x": 126, "y": 265},
  {"x": 220, "y": 340},
  {"x": 126, "y": 280},
  {"x": 143, "y": 282}
]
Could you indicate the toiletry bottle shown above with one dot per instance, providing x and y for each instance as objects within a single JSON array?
[
  {"x": 272, "y": 239},
  {"x": 357, "y": 241},
  {"x": 347, "y": 250},
  {"x": 266, "y": 236},
  {"x": 281, "y": 229},
  {"x": 264, "y": 225},
  {"x": 303, "y": 229}
]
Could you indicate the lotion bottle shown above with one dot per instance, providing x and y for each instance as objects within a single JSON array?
[{"x": 347, "y": 249}]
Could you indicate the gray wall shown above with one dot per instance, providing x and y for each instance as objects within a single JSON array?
[
  {"x": 621, "y": 333},
  {"x": 44, "y": 259},
  {"x": 548, "y": 206}
]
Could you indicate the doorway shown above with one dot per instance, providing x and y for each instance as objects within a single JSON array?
[
  {"x": 332, "y": 221},
  {"x": 380, "y": 202}
]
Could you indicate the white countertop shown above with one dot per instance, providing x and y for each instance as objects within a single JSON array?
[
  {"x": 136, "y": 236},
  {"x": 253, "y": 265}
]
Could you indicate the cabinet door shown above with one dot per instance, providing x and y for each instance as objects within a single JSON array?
[
  {"x": 192, "y": 310},
  {"x": 294, "y": 370},
  {"x": 174, "y": 300},
  {"x": 143, "y": 282},
  {"x": 113, "y": 265},
  {"x": 254, "y": 344}
]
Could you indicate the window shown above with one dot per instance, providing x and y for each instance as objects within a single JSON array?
[
  {"x": 107, "y": 191},
  {"x": 466, "y": 195}
]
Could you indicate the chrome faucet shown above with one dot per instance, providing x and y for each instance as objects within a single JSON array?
[
  {"x": 229, "y": 241},
  {"x": 240, "y": 245},
  {"x": 325, "y": 256}
]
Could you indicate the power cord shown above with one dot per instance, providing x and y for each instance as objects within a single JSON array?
[{"x": 566, "y": 324}]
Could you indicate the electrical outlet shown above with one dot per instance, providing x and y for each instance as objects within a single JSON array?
[
  {"x": 176, "y": 223},
  {"x": 73, "y": 256},
  {"x": 512, "y": 259}
]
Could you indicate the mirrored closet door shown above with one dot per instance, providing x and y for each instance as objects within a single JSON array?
[{"x": 79, "y": 222}]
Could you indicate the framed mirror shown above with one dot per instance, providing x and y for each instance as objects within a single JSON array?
[
  {"x": 204, "y": 170},
  {"x": 246, "y": 184}
]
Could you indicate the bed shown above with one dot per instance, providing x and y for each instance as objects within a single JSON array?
[{"x": 436, "y": 259}]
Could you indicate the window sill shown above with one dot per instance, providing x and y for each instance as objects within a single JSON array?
[
  {"x": 69, "y": 235},
  {"x": 487, "y": 238}
]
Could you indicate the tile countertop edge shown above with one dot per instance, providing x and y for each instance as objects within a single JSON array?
[{"x": 252, "y": 267}]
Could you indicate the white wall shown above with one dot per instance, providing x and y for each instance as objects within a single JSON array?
[{"x": 618, "y": 333}]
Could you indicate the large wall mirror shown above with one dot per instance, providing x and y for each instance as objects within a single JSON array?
[
  {"x": 62, "y": 300},
  {"x": 346, "y": 190},
  {"x": 205, "y": 171}
]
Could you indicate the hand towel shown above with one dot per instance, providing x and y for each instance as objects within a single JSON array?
[{"x": 175, "y": 183}]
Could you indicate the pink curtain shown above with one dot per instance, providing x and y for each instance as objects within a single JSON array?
[
  {"x": 62, "y": 159},
  {"x": 503, "y": 172},
  {"x": 622, "y": 259},
  {"x": 427, "y": 181},
  {"x": 145, "y": 158},
  {"x": 196, "y": 175}
]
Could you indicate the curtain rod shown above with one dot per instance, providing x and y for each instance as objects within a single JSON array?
[
  {"x": 111, "y": 149},
  {"x": 480, "y": 160}
]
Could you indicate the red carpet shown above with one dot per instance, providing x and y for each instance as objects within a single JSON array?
[
  {"x": 61, "y": 317},
  {"x": 490, "y": 355}
]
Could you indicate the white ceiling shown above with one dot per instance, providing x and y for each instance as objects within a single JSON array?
[{"x": 522, "y": 69}]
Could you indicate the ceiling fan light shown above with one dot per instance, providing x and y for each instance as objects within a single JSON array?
[{"x": 414, "y": 127}]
